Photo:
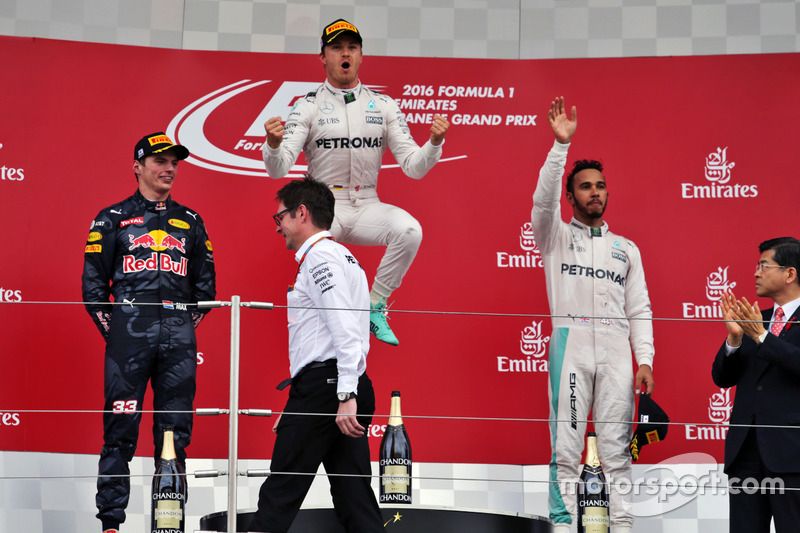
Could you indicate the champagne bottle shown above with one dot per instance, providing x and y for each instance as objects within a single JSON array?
[
  {"x": 592, "y": 492},
  {"x": 169, "y": 489},
  {"x": 395, "y": 458}
]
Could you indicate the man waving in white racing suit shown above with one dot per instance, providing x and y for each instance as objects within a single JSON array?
[
  {"x": 600, "y": 309},
  {"x": 344, "y": 128}
]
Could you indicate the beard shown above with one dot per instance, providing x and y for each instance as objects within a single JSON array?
[{"x": 593, "y": 211}]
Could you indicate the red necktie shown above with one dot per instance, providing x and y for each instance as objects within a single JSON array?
[{"x": 777, "y": 324}]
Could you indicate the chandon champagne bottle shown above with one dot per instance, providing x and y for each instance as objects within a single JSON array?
[
  {"x": 592, "y": 492},
  {"x": 395, "y": 458},
  {"x": 169, "y": 489}
]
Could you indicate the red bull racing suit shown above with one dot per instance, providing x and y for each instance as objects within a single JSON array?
[
  {"x": 595, "y": 284},
  {"x": 344, "y": 134},
  {"x": 157, "y": 254}
]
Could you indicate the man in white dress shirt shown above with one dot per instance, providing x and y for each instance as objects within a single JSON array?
[{"x": 327, "y": 307}]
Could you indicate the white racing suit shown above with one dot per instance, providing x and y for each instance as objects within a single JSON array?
[
  {"x": 595, "y": 280},
  {"x": 344, "y": 138}
]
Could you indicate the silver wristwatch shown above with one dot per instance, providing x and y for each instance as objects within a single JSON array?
[{"x": 344, "y": 396}]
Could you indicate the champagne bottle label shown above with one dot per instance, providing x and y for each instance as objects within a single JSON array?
[
  {"x": 595, "y": 520},
  {"x": 168, "y": 514},
  {"x": 395, "y": 479}
]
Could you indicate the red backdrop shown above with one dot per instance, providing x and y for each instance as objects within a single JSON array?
[{"x": 698, "y": 153}]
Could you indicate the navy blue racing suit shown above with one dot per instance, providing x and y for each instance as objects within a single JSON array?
[{"x": 156, "y": 260}]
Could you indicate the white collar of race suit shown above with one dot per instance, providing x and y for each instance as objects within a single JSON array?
[
  {"x": 589, "y": 230},
  {"x": 341, "y": 92}
]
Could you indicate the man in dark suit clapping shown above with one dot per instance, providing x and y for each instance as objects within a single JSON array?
[{"x": 761, "y": 357}]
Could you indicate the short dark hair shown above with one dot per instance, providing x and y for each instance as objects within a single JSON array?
[
  {"x": 787, "y": 252},
  {"x": 316, "y": 196},
  {"x": 582, "y": 164}
]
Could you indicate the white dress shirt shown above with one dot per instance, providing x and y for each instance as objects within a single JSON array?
[{"x": 329, "y": 310}]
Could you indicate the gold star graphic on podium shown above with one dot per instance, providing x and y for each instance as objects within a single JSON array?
[{"x": 397, "y": 516}]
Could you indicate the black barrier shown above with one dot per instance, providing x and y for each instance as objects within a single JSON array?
[{"x": 399, "y": 519}]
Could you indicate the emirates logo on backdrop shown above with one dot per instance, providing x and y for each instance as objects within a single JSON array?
[
  {"x": 717, "y": 282},
  {"x": 533, "y": 347},
  {"x": 9, "y": 419},
  {"x": 532, "y": 341},
  {"x": 717, "y": 172},
  {"x": 720, "y": 405},
  {"x": 718, "y": 168},
  {"x": 10, "y": 295},
  {"x": 8, "y": 173},
  {"x": 527, "y": 257}
]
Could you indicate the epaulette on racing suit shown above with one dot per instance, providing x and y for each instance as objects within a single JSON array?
[{"x": 155, "y": 259}]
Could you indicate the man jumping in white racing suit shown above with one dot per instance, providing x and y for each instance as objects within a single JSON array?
[
  {"x": 344, "y": 128},
  {"x": 600, "y": 309}
]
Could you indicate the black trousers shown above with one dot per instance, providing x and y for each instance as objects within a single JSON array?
[
  {"x": 752, "y": 510},
  {"x": 305, "y": 442},
  {"x": 153, "y": 345}
]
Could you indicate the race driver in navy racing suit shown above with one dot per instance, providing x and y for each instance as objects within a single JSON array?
[
  {"x": 344, "y": 128},
  {"x": 154, "y": 257}
]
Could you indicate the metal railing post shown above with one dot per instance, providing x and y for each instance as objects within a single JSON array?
[{"x": 233, "y": 420}]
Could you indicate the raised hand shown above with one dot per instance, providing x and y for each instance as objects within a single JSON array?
[
  {"x": 563, "y": 127},
  {"x": 729, "y": 308},
  {"x": 439, "y": 129},
  {"x": 750, "y": 319},
  {"x": 274, "y": 129}
]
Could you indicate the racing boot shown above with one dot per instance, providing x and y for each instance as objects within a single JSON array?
[{"x": 379, "y": 325}]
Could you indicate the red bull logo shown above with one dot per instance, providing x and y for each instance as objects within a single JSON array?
[
  {"x": 156, "y": 261},
  {"x": 169, "y": 242},
  {"x": 145, "y": 241},
  {"x": 157, "y": 240}
]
